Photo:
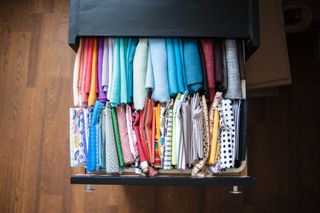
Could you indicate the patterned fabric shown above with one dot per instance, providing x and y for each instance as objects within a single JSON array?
[
  {"x": 167, "y": 161},
  {"x": 142, "y": 156},
  {"x": 123, "y": 130},
  {"x": 117, "y": 137},
  {"x": 131, "y": 133},
  {"x": 197, "y": 128},
  {"x": 205, "y": 127}
]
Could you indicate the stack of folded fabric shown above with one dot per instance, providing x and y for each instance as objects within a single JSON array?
[{"x": 160, "y": 103}]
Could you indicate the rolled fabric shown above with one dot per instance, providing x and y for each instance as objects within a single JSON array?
[
  {"x": 132, "y": 44},
  {"x": 149, "y": 75},
  {"x": 139, "y": 74},
  {"x": 117, "y": 137},
  {"x": 159, "y": 64},
  {"x": 192, "y": 65},
  {"x": 93, "y": 137},
  {"x": 123, "y": 72},
  {"x": 112, "y": 164},
  {"x": 116, "y": 74},
  {"x": 167, "y": 161},
  {"x": 93, "y": 87},
  {"x": 179, "y": 64},
  {"x": 148, "y": 129},
  {"x": 110, "y": 59},
  {"x": 142, "y": 156},
  {"x": 89, "y": 65},
  {"x": 101, "y": 95},
  {"x": 218, "y": 68},
  {"x": 172, "y": 70},
  {"x": 208, "y": 53},
  {"x": 234, "y": 83},
  {"x": 76, "y": 73},
  {"x": 105, "y": 66},
  {"x": 124, "y": 138}
]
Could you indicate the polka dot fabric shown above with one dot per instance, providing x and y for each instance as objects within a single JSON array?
[{"x": 227, "y": 134}]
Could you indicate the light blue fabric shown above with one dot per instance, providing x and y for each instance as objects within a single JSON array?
[
  {"x": 131, "y": 49},
  {"x": 123, "y": 73},
  {"x": 116, "y": 83},
  {"x": 94, "y": 138},
  {"x": 179, "y": 65},
  {"x": 159, "y": 64},
  {"x": 172, "y": 70},
  {"x": 149, "y": 76},
  {"x": 192, "y": 64}
]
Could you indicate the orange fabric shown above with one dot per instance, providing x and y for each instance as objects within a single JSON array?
[
  {"x": 93, "y": 86},
  {"x": 148, "y": 127}
]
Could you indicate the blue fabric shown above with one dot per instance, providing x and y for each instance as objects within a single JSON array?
[
  {"x": 131, "y": 49},
  {"x": 172, "y": 70},
  {"x": 179, "y": 65},
  {"x": 94, "y": 138},
  {"x": 159, "y": 64},
  {"x": 192, "y": 64}
]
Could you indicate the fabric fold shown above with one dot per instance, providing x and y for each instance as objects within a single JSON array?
[
  {"x": 208, "y": 53},
  {"x": 93, "y": 86}
]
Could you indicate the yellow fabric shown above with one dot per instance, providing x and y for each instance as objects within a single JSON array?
[
  {"x": 158, "y": 126},
  {"x": 93, "y": 86},
  {"x": 214, "y": 140}
]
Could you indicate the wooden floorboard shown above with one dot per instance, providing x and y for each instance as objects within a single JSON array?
[{"x": 36, "y": 93}]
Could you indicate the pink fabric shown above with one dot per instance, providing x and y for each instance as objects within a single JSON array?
[{"x": 208, "y": 52}]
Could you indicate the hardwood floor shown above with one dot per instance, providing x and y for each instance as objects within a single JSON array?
[{"x": 36, "y": 91}]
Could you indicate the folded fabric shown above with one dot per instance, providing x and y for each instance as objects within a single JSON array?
[
  {"x": 105, "y": 66},
  {"x": 112, "y": 164},
  {"x": 124, "y": 138},
  {"x": 116, "y": 74},
  {"x": 159, "y": 65},
  {"x": 208, "y": 53},
  {"x": 123, "y": 72},
  {"x": 187, "y": 129},
  {"x": 243, "y": 140},
  {"x": 93, "y": 86},
  {"x": 143, "y": 133},
  {"x": 172, "y": 70},
  {"x": 192, "y": 65},
  {"x": 89, "y": 65},
  {"x": 131, "y": 134},
  {"x": 94, "y": 137},
  {"x": 76, "y": 73},
  {"x": 174, "y": 131},
  {"x": 142, "y": 156},
  {"x": 236, "y": 115},
  {"x": 181, "y": 149},
  {"x": 139, "y": 74},
  {"x": 117, "y": 136},
  {"x": 205, "y": 131},
  {"x": 148, "y": 128},
  {"x": 178, "y": 53},
  {"x": 218, "y": 68},
  {"x": 234, "y": 90},
  {"x": 167, "y": 161},
  {"x": 101, "y": 93},
  {"x": 110, "y": 73},
  {"x": 197, "y": 128},
  {"x": 205, "y": 90},
  {"x": 131, "y": 49},
  {"x": 83, "y": 97},
  {"x": 149, "y": 75}
]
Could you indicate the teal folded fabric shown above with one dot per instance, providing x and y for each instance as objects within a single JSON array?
[
  {"x": 178, "y": 53},
  {"x": 159, "y": 64},
  {"x": 149, "y": 76},
  {"x": 131, "y": 49},
  {"x": 116, "y": 75},
  {"x": 139, "y": 74},
  {"x": 123, "y": 73},
  {"x": 192, "y": 64},
  {"x": 172, "y": 70},
  {"x": 94, "y": 138}
]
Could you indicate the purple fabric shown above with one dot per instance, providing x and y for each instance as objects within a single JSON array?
[{"x": 101, "y": 96}]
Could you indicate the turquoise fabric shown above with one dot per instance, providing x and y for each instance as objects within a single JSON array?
[
  {"x": 179, "y": 65},
  {"x": 172, "y": 70},
  {"x": 116, "y": 83},
  {"x": 123, "y": 73},
  {"x": 131, "y": 49}
]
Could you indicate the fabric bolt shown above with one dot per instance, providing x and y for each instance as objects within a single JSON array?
[
  {"x": 78, "y": 150},
  {"x": 148, "y": 129},
  {"x": 110, "y": 73},
  {"x": 208, "y": 52},
  {"x": 93, "y": 86},
  {"x": 105, "y": 66},
  {"x": 227, "y": 134},
  {"x": 149, "y": 75},
  {"x": 172, "y": 70},
  {"x": 167, "y": 161},
  {"x": 101, "y": 94},
  {"x": 131, "y": 134},
  {"x": 112, "y": 164},
  {"x": 116, "y": 75},
  {"x": 132, "y": 44},
  {"x": 123, "y": 72},
  {"x": 159, "y": 62},
  {"x": 234, "y": 90},
  {"x": 93, "y": 137},
  {"x": 124, "y": 138},
  {"x": 139, "y": 74},
  {"x": 76, "y": 73},
  {"x": 89, "y": 65},
  {"x": 218, "y": 68},
  {"x": 192, "y": 65},
  {"x": 178, "y": 53},
  {"x": 142, "y": 156},
  {"x": 117, "y": 136}
]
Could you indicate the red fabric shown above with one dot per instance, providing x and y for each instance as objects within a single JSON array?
[
  {"x": 208, "y": 52},
  {"x": 142, "y": 134},
  {"x": 148, "y": 127},
  {"x": 142, "y": 156}
]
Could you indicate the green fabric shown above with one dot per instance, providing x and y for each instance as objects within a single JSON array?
[{"x": 117, "y": 137}]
